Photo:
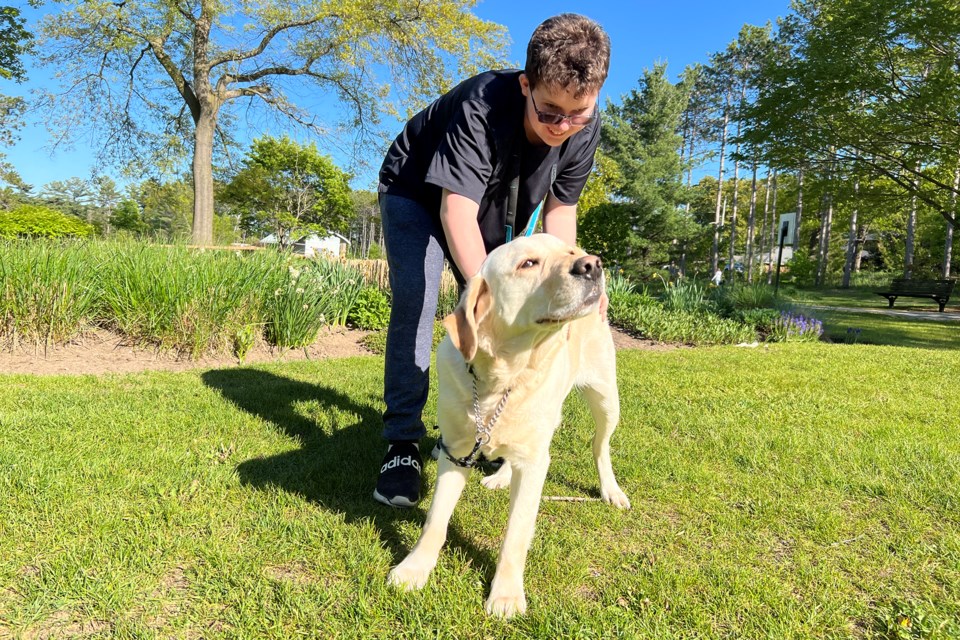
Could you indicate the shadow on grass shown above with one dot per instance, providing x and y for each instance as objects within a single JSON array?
[
  {"x": 875, "y": 329},
  {"x": 337, "y": 470}
]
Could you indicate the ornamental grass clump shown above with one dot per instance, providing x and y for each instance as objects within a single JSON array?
[
  {"x": 796, "y": 327},
  {"x": 47, "y": 296},
  {"x": 686, "y": 295},
  {"x": 307, "y": 295},
  {"x": 176, "y": 298}
]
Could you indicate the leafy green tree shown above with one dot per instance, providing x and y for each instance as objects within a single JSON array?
[
  {"x": 628, "y": 235},
  {"x": 288, "y": 188},
  {"x": 869, "y": 83},
  {"x": 603, "y": 183},
  {"x": 166, "y": 207},
  {"x": 73, "y": 196},
  {"x": 151, "y": 75},
  {"x": 15, "y": 42},
  {"x": 642, "y": 138},
  {"x": 365, "y": 228},
  {"x": 126, "y": 217}
]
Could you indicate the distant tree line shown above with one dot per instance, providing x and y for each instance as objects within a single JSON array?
[{"x": 846, "y": 114}]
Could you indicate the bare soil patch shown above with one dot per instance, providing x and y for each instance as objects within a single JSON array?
[{"x": 103, "y": 352}]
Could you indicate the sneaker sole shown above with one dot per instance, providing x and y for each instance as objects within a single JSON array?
[{"x": 397, "y": 501}]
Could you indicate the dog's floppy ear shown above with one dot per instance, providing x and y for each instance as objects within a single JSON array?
[{"x": 463, "y": 323}]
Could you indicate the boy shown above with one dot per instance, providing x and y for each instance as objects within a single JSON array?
[{"x": 445, "y": 192}]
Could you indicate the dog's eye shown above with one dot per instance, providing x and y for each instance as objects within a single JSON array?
[{"x": 529, "y": 263}]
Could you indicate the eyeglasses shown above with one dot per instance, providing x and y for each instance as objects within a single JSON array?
[{"x": 556, "y": 118}]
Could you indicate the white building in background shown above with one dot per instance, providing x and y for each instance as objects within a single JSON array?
[{"x": 333, "y": 244}]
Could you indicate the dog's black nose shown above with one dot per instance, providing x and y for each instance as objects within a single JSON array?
[{"x": 588, "y": 267}]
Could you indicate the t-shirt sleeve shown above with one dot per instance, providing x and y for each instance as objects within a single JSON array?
[
  {"x": 573, "y": 176},
  {"x": 463, "y": 161}
]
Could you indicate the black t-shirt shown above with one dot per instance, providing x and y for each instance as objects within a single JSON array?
[{"x": 468, "y": 141}]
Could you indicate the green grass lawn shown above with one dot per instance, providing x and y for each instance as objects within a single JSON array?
[
  {"x": 868, "y": 328},
  {"x": 866, "y": 298},
  {"x": 790, "y": 491}
]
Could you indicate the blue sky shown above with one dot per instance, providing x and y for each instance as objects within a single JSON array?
[{"x": 641, "y": 33}]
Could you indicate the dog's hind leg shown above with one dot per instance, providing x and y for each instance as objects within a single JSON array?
[
  {"x": 413, "y": 572},
  {"x": 604, "y": 403},
  {"x": 507, "y": 597}
]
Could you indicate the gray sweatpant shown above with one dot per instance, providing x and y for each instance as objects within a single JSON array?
[{"x": 416, "y": 248}]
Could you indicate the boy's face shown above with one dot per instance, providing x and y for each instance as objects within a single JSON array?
[{"x": 550, "y": 100}]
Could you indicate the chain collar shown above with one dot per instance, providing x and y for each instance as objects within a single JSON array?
[{"x": 484, "y": 429}]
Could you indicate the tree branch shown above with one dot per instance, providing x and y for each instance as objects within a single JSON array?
[{"x": 237, "y": 56}]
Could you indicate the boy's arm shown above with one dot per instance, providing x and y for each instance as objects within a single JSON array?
[
  {"x": 560, "y": 220},
  {"x": 458, "y": 214}
]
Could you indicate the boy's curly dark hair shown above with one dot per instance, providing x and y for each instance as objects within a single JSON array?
[{"x": 568, "y": 51}]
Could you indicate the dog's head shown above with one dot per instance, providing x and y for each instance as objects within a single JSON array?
[{"x": 531, "y": 286}]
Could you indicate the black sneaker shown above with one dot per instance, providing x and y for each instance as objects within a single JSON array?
[{"x": 399, "y": 481}]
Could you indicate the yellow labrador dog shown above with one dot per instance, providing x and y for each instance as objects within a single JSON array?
[{"x": 527, "y": 330}]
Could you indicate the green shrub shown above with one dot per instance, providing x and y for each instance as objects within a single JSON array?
[
  {"x": 652, "y": 320},
  {"x": 371, "y": 309},
  {"x": 730, "y": 300},
  {"x": 41, "y": 222},
  {"x": 763, "y": 320},
  {"x": 307, "y": 295},
  {"x": 803, "y": 268}
]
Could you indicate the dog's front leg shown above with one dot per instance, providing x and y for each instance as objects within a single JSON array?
[
  {"x": 526, "y": 486},
  {"x": 604, "y": 403},
  {"x": 413, "y": 572}
]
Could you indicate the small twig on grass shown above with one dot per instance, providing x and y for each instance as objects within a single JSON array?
[
  {"x": 840, "y": 542},
  {"x": 569, "y": 499}
]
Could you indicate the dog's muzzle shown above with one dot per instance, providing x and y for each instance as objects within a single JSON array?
[{"x": 588, "y": 267}]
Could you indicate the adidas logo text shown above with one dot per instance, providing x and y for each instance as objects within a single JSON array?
[{"x": 406, "y": 461}]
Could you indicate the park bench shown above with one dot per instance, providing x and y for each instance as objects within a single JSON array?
[{"x": 938, "y": 290}]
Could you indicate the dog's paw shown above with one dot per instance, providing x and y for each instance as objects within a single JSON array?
[
  {"x": 495, "y": 481},
  {"x": 500, "y": 479},
  {"x": 408, "y": 576},
  {"x": 506, "y": 605},
  {"x": 616, "y": 497}
]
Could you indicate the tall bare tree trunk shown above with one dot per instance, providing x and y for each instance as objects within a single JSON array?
[
  {"x": 751, "y": 223},
  {"x": 763, "y": 225},
  {"x": 715, "y": 253},
  {"x": 852, "y": 245},
  {"x": 826, "y": 224},
  {"x": 909, "y": 246},
  {"x": 683, "y": 250},
  {"x": 796, "y": 236},
  {"x": 203, "y": 180},
  {"x": 736, "y": 193},
  {"x": 861, "y": 240},
  {"x": 948, "y": 245},
  {"x": 774, "y": 229}
]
